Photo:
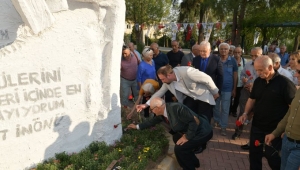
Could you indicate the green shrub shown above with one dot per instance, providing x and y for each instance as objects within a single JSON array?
[{"x": 133, "y": 152}]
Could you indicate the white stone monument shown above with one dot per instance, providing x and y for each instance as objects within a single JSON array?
[{"x": 60, "y": 76}]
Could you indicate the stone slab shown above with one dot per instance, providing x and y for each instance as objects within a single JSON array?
[{"x": 57, "y": 5}]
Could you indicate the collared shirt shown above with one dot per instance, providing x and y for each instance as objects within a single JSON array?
[
  {"x": 284, "y": 58},
  {"x": 160, "y": 60},
  {"x": 272, "y": 101},
  {"x": 248, "y": 72},
  {"x": 240, "y": 69},
  {"x": 229, "y": 67},
  {"x": 129, "y": 68},
  {"x": 285, "y": 73},
  {"x": 293, "y": 72},
  {"x": 290, "y": 124},
  {"x": 203, "y": 64}
]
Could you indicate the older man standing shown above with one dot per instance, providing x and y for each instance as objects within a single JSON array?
[
  {"x": 209, "y": 64},
  {"x": 221, "y": 110},
  {"x": 270, "y": 98},
  {"x": 247, "y": 76},
  {"x": 188, "y": 58},
  {"x": 276, "y": 64},
  {"x": 129, "y": 67},
  {"x": 134, "y": 51},
  {"x": 160, "y": 59},
  {"x": 175, "y": 55},
  {"x": 241, "y": 61},
  {"x": 283, "y": 56}
]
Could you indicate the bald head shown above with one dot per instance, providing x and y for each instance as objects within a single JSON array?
[
  {"x": 264, "y": 67},
  {"x": 196, "y": 50},
  {"x": 155, "y": 49},
  {"x": 131, "y": 46},
  {"x": 157, "y": 105}
]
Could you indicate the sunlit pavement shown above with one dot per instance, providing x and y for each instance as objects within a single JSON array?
[{"x": 223, "y": 153}]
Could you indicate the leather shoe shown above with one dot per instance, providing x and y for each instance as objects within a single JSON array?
[
  {"x": 235, "y": 136},
  {"x": 245, "y": 147},
  {"x": 234, "y": 114},
  {"x": 200, "y": 149}
]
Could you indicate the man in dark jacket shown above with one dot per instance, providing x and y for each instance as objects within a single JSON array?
[{"x": 190, "y": 130}]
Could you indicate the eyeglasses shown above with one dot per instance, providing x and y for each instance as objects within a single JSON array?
[
  {"x": 151, "y": 110},
  {"x": 149, "y": 49}
]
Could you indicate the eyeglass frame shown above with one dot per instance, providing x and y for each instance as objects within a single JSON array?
[{"x": 151, "y": 110}]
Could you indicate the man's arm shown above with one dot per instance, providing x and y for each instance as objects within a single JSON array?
[
  {"x": 203, "y": 78},
  {"x": 159, "y": 93},
  {"x": 249, "y": 105},
  {"x": 235, "y": 74}
]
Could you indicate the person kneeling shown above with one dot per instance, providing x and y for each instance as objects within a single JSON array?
[{"x": 190, "y": 130}]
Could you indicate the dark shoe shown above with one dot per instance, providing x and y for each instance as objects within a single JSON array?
[
  {"x": 200, "y": 149},
  {"x": 235, "y": 136},
  {"x": 245, "y": 147},
  {"x": 234, "y": 114}
]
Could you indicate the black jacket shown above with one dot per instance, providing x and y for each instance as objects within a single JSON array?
[{"x": 182, "y": 120}]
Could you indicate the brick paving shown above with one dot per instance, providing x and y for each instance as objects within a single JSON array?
[{"x": 223, "y": 153}]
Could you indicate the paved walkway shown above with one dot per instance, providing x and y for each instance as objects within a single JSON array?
[{"x": 223, "y": 153}]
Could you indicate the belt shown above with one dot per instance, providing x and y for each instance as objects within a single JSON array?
[
  {"x": 293, "y": 140},
  {"x": 127, "y": 79}
]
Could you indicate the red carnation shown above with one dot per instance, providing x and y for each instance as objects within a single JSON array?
[
  {"x": 257, "y": 143},
  {"x": 189, "y": 63},
  {"x": 238, "y": 123},
  {"x": 248, "y": 73},
  {"x": 116, "y": 125}
]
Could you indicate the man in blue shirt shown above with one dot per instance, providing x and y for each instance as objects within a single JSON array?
[
  {"x": 160, "y": 59},
  {"x": 221, "y": 109},
  {"x": 283, "y": 56}
]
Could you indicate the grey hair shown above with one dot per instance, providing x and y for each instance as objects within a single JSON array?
[
  {"x": 232, "y": 46},
  {"x": 146, "y": 52},
  {"x": 259, "y": 49},
  {"x": 206, "y": 44},
  {"x": 148, "y": 87},
  {"x": 228, "y": 46},
  {"x": 265, "y": 60},
  {"x": 274, "y": 57}
]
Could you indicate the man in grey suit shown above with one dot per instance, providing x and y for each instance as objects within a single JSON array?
[{"x": 187, "y": 60}]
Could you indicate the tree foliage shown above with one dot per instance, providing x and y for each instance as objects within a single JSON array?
[{"x": 146, "y": 12}]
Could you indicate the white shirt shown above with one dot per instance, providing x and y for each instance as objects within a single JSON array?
[{"x": 285, "y": 73}]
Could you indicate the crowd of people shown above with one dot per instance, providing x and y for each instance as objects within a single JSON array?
[{"x": 197, "y": 91}]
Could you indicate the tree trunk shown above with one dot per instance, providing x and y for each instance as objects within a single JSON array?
[
  {"x": 234, "y": 25},
  {"x": 240, "y": 23},
  {"x": 201, "y": 30},
  {"x": 296, "y": 42}
]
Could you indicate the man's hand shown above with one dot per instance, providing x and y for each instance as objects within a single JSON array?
[
  {"x": 243, "y": 118},
  {"x": 248, "y": 86},
  {"x": 140, "y": 107},
  {"x": 131, "y": 126},
  {"x": 269, "y": 138},
  {"x": 233, "y": 93},
  {"x": 244, "y": 80},
  {"x": 216, "y": 96},
  {"x": 182, "y": 140}
]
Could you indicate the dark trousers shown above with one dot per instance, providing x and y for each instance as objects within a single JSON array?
[
  {"x": 257, "y": 152},
  {"x": 199, "y": 107},
  {"x": 234, "y": 105},
  {"x": 185, "y": 153},
  {"x": 244, "y": 95}
]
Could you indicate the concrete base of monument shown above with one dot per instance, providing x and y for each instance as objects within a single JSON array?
[{"x": 169, "y": 162}]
